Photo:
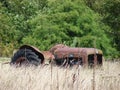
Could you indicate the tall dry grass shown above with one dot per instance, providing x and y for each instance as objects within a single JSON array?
[{"x": 43, "y": 78}]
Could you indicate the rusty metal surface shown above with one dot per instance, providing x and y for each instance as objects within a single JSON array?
[
  {"x": 48, "y": 55},
  {"x": 77, "y": 52},
  {"x": 57, "y": 47},
  {"x": 75, "y": 55},
  {"x": 91, "y": 51}
]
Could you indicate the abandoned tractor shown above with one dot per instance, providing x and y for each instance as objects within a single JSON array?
[
  {"x": 65, "y": 55},
  {"x": 59, "y": 54}
]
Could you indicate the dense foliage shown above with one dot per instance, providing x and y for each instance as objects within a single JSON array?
[{"x": 43, "y": 23}]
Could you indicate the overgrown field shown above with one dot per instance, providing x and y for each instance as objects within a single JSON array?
[{"x": 58, "y": 78}]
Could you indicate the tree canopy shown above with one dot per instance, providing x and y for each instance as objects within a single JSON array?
[{"x": 43, "y": 23}]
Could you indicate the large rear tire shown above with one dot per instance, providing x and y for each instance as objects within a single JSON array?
[{"x": 25, "y": 56}]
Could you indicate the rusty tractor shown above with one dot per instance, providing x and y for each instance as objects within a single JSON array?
[{"x": 59, "y": 54}]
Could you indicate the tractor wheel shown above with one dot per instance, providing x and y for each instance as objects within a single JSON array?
[{"x": 25, "y": 56}]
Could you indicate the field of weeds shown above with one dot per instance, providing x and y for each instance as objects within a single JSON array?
[{"x": 57, "y": 78}]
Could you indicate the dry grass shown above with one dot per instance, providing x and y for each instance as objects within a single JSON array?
[{"x": 43, "y": 78}]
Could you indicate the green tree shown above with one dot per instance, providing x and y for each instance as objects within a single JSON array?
[
  {"x": 109, "y": 10},
  {"x": 7, "y": 33},
  {"x": 43, "y": 23},
  {"x": 14, "y": 16},
  {"x": 69, "y": 22},
  {"x": 112, "y": 18}
]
